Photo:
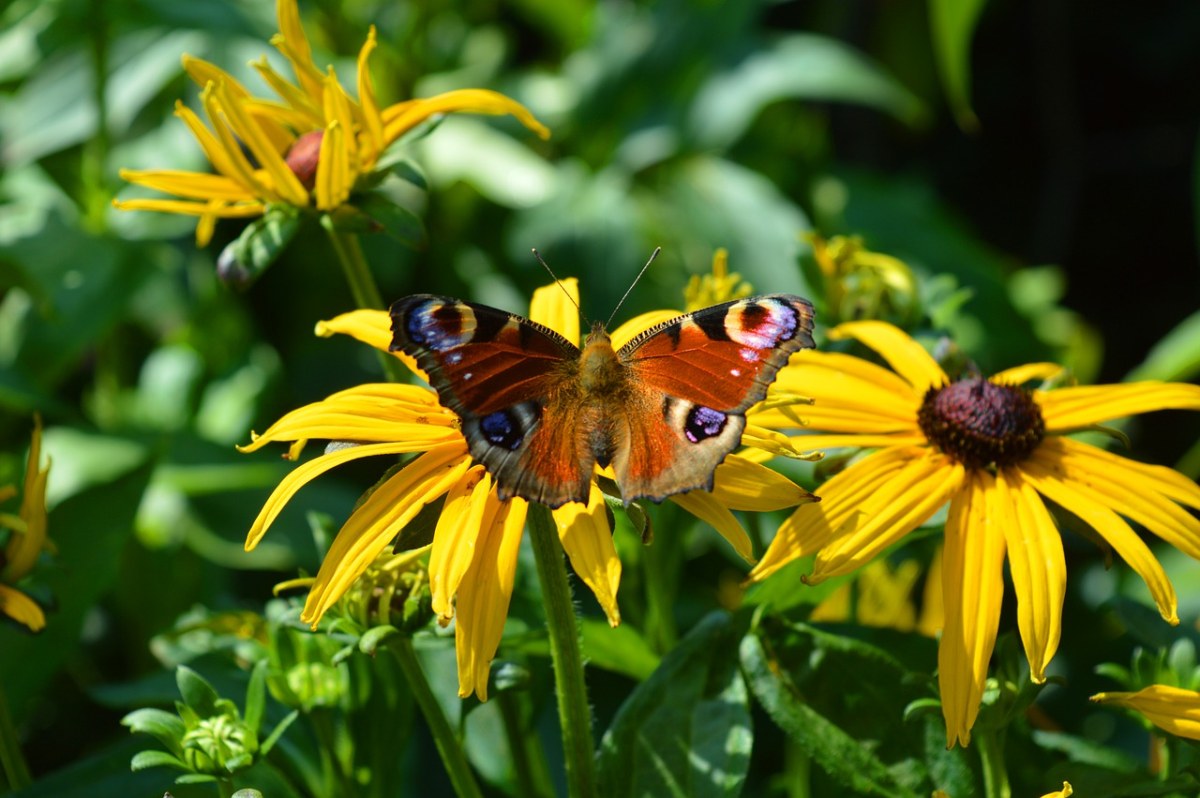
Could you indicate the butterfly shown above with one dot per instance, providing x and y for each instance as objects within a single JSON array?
[{"x": 539, "y": 413}]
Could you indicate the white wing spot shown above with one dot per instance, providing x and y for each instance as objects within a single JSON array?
[
  {"x": 749, "y": 355},
  {"x": 467, "y": 376},
  {"x": 735, "y": 372}
]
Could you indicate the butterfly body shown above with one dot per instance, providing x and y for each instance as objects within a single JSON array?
[{"x": 540, "y": 414}]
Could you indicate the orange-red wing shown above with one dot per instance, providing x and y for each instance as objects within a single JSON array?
[
  {"x": 723, "y": 357},
  {"x": 479, "y": 359}
]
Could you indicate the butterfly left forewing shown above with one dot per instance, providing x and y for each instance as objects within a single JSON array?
[
  {"x": 693, "y": 379},
  {"x": 510, "y": 382}
]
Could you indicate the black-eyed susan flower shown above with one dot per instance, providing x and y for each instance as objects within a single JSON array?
[
  {"x": 995, "y": 452},
  {"x": 473, "y": 557},
  {"x": 309, "y": 148},
  {"x": 26, "y": 538},
  {"x": 1172, "y": 709}
]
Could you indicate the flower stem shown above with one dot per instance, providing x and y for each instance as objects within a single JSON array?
[
  {"x": 16, "y": 771},
  {"x": 991, "y": 754},
  {"x": 362, "y": 284},
  {"x": 528, "y": 755},
  {"x": 453, "y": 758},
  {"x": 574, "y": 714}
]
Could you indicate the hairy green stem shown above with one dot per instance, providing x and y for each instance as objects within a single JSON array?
[
  {"x": 574, "y": 714},
  {"x": 16, "y": 771},
  {"x": 462, "y": 779},
  {"x": 362, "y": 285}
]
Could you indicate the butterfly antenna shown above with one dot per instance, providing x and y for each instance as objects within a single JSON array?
[
  {"x": 629, "y": 290},
  {"x": 559, "y": 283}
]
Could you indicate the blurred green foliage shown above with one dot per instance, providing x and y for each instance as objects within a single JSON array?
[{"x": 1032, "y": 166}]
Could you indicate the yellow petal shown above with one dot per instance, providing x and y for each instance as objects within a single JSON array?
[
  {"x": 21, "y": 608},
  {"x": 1105, "y": 482},
  {"x": 459, "y": 525},
  {"x": 189, "y": 185},
  {"x": 191, "y": 208},
  {"x": 333, "y": 181},
  {"x": 933, "y": 604},
  {"x": 973, "y": 585},
  {"x": 900, "y": 351},
  {"x": 629, "y": 330},
  {"x": 303, "y": 474},
  {"x": 1065, "y": 792},
  {"x": 284, "y": 182},
  {"x": 832, "y": 417},
  {"x": 557, "y": 306},
  {"x": 484, "y": 595},
  {"x": 1072, "y": 408},
  {"x": 812, "y": 526},
  {"x": 23, "y": 549},
  {"x": 294, "y": 45},
  {"x": 399, "y": 120},
  {"x": 877, "y": 441},
  {"x": 372, "y": 121},
  {"x": 1048, "y": 475},
  {"x": 587, "y": 540},
  {"x": 742, "y": 484},
  {"x": 373, "y": 327},
  {"x": 1019, "y": 375},
  {"x": 1159, "y": 479},
  {"x": 1172, "y": 709},
  {"x": 374, "y": 523},
  {"x": 204, "y": 73},
  {"x": 898, "y": 507},
  {"x": 1039, "y": 571},
  {"x": 704, "y": 506},
  {"x": 840, "y": 382}
]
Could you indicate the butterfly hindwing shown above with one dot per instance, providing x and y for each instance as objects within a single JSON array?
[
  {"x": 695, "y": 377},
  {"x": 509, "y": 380}
]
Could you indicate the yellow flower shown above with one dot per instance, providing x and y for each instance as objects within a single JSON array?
[
  {"x": 1171, "y": 709},
  {"x": 307, "y": 148},
  {"x": 884, "y": 598},
  {"x": 473, "y": 557},
  {"x": 26, "y": 538},
  {"x": 993, "y": 451},
  {"x": 1065, "y": 792}
]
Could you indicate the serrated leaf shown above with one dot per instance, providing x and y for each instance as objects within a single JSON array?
[
  {"x": 834, "y": 751},
  {"x": 686, "y": 730},
  {"x": 198, "y": 694},
  {"x": 155, "y": 759}
]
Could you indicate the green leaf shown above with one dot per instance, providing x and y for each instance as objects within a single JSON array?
[
  {"x": 256, "y": 697},
  {"x": 278, "y": 731},
  {"x": 373, "y": 637},
  {"x": 155, "y": 759},
  {"x": 841, "y": 756},
  {"x": 801, "y": 66},
  {"x": 196, "y": 691},
  {"x": 620, "y": 650},
  {"x": 1176, "y": 357},
  {"x": 952, "y": 26},
  {"x": 164, "y": 726},
  {"x": 1087, "y": 752},
  {"x": 383, "y": 215},
  {"x": 686, "y": 730}
]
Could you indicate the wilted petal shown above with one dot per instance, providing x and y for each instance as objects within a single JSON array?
[{"x": 973, "y": 585}]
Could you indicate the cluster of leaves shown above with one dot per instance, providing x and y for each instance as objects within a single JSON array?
[{"x": 687, "y": 125}]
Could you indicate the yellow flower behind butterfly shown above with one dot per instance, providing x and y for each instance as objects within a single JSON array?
[
  {"x": 473, "y": 556},
  {"x": 1172, "y": 709},
  {"x": 307, "y": 148},
  {"x": 994, "y": 451},
  {"x": 26, "y": 538}
]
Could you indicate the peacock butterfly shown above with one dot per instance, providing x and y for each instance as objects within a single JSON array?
[{"x": 539, "y": 413}]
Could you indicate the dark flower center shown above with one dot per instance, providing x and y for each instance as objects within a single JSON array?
[
  {"x": 304, "y": 155},
  {"x": 979, "y": 423}
]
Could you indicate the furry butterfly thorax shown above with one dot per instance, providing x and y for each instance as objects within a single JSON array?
[{"x": 540, "y": 414}]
